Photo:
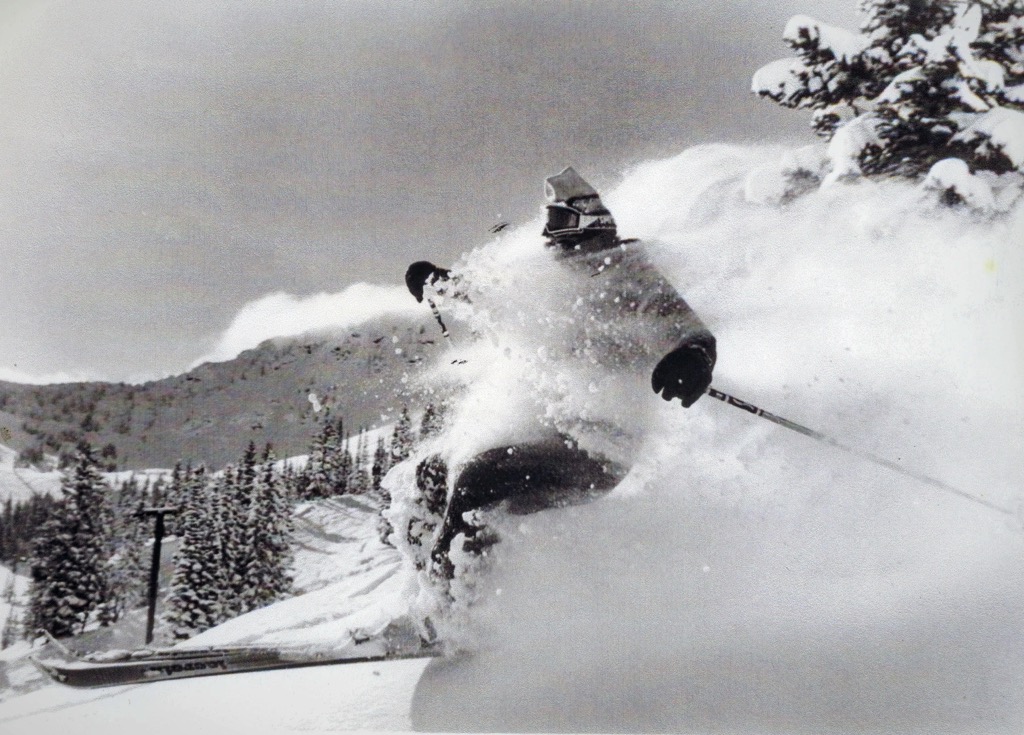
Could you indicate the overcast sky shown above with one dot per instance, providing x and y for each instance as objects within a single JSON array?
[{"x": 163, "y": 165}]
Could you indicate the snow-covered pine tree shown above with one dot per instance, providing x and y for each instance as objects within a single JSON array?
[
  {"x": 174, "y": 495},
  {"x": 923, "y": 81},
  {"x": 247, "y": 473},
  {"x": 12, "y": 625},
  {"x": 156, "y": 491},
  {"x": 380, "y": 494},
  {"x": 343, "y": 466},
  {"x": 296, "y": 480},
  {"x": 359, "y": 481},
  {"x": 68, "y": 566},
  {"x": 361, "y": 464},
  {"x": 402, "y": 438},
  {"x": 321, "y": 469},
  {"x": 430, "y": 424},
  {"x": 231, "y": 522},
  {"x": 6, "y": 542},
  {"x": 269, "y": 539},
  {"x": 196, "y": 598},
  {"x": 126, "y": 568},
  {"x": 380, "y": 466},
  {"x": 238, "y": 521},
  {"x": 313, "y": 480}
]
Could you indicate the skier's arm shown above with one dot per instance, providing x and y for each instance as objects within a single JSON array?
[{"x": 685, "y": 371}]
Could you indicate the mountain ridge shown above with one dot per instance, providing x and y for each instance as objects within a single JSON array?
[{"x": 210, "y": 413}]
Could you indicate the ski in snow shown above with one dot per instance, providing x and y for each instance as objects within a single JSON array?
[{"x": 143, "y": 666}]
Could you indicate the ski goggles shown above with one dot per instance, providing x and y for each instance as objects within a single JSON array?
[{"x": 566, "y": 221}]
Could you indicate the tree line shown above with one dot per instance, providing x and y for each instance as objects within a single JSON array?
[
  {"x": 88, "y": 563},
  {"x": 234, "y": 551},
  {"x": 88, "y": 559},
  {"x": 335, "y": 467},
  {"x": 339, "y": 463}
]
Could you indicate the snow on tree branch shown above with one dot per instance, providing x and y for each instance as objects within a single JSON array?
[
  {"x": 822, "y": 40},
  {"x": 922, "y": 81}
]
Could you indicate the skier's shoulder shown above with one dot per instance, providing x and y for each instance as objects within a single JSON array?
[
  {"x": 619, "y": 254},
  {"x": 628, "y": 260}
]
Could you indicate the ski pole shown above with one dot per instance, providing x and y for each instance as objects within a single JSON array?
[
  {"x": 437, "y": 315},
  {"x": 448, "y": 340},
  {"x": 793, "y": 426}
]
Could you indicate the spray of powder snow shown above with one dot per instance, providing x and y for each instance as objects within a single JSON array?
[{"x": 745, "y": 578}]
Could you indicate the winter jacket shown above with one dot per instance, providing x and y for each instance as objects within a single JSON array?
[{"x": 569, "y": 339}]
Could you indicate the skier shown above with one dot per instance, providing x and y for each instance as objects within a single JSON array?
[{"x": 606, "y": 319}]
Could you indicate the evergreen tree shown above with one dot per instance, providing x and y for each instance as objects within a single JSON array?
[
  {"x": 7, "y": 531},
  {"x": 247, "y": 470},
  {"x": 343, "y": 464},
  {"x": 196, "y": 599},
  {"x": 923, "y": 81},
  {"x": 430, "y": 424},
  {"x": 322, "y": 468},
  {"x": 269, "y": 535},
  {"x": 237, "y": 498},
  {"x": 401, "y": 439},
  {"x": 156, "y": 491},
  {"x": 174, "y": 496},
  {"x": 126, "y": 570},
  {"x": 68, "y": 567},
  {"x": 10, "y": 632},
  {"x": 359, "y": 477},
  {"x": 20, "y": 523},
  {"x": 296, "y": 481},
  {"x": 381, "y": 465}
]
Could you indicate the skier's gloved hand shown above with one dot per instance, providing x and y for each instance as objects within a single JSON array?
[
  {"x": 684, "y": 373},
  {"x": 419, "y": 274}
]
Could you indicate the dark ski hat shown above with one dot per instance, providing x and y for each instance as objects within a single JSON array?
[{"x": 575, "y": 213}]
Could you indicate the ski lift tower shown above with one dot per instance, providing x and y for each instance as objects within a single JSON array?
[{"x": 154, "y": 569}]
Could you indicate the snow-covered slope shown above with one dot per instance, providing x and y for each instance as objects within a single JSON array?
[
  {"x": 746, "y": 578},
  {"x": 743, "y": 578},
  {"x": 346, "y": 581},
  {"x": 19, "y": 484}
]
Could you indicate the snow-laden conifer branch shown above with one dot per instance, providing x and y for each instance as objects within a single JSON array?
[{"x": 921, "y": 82}]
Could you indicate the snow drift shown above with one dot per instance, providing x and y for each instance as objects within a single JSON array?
[{"x": 745, "y": 578}]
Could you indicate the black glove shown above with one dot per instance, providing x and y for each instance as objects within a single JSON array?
[
  {"x": 684, "y": 373},
  {"x": 419, "y": 274}
]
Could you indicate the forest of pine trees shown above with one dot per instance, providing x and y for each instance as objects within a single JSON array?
[
  {"x": 89, "y": 560},
  {"x": 233, "y": 554},
  {"x": 88, "y": 553},
  {"x": 340, "y": 463}
]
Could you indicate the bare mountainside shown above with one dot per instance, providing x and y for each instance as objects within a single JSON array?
[{"x": 210, "y": 414}]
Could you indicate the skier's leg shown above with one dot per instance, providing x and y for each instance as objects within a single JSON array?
[{"x": 531, "y": 477}]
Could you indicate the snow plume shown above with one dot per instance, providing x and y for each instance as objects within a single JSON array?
[
  {"x": 744, "y": 578},
  {"x": 285, "y": 315}
]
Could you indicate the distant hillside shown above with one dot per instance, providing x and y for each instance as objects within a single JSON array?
[{"x": 211, "y": 413}]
